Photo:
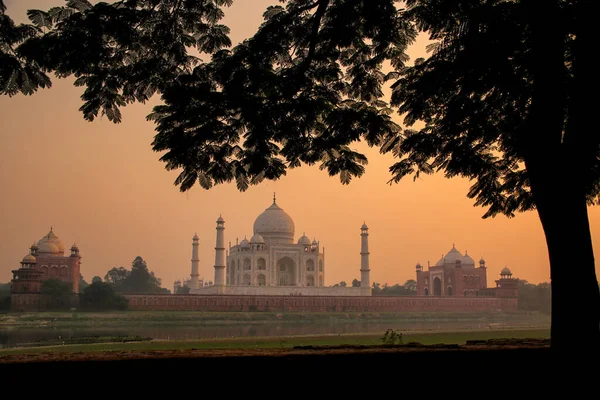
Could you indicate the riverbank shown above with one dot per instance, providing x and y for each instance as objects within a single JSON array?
[{"x": 367, "y": 339}]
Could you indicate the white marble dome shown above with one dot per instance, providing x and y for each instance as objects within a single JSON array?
[
  {"x": 275, "y": 225},
  {"x": 304, "y": 240},
  {"x": 257, "y": 239}
]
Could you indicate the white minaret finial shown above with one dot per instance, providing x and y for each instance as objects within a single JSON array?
[
  {"x": 220, "y": 254},
  {"x": 194, "y": 274},
  {"x": 365, "y": 281}
]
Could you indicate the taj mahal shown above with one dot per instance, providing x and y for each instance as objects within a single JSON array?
[{"x": 273, "y": 263}]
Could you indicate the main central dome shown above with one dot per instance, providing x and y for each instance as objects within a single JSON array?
[{"x": 275, "y": 225}]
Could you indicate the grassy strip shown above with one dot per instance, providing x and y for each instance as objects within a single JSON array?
[{"x": 286, "y": 342}]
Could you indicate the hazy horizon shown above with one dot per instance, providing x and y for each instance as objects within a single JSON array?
[{"x": 101, "y": 186}]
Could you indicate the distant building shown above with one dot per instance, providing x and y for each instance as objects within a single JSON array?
[
  {"x": 455, "y": 275},
  {"x": 45, "y": 260},
  {"x": 273, "y": 263}
]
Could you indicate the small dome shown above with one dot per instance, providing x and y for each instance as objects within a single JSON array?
[
  {"x": 34, "y": 246},
  {"x": 364, "y": 226},
  {"x": 314, "y": 242},
  {"x": 481, "y": 261},
  {"x": 74, "y": 247},
  {"x": 505, "y": 271},
  {"x": 257, "y": 239},
  {"x": 418, "y": 266},
  {"x": 220, "y": 219},
  {"x": 245, "y": 243},
  {"x": 195, "y": 238},
  {"x": 29, "y": 259},
  {"x": 304, "y": 240}
]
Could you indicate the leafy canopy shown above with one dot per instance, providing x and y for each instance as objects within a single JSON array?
[{"x": 309, "y": 84}]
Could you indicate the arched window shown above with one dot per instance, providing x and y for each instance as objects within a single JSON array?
[
  {"x": 427, "y": 292},
  {"x": 261, "y": 264},
  {"x": 449, "y": 291},
  {"x": 310, "y": 265},
  {"x": 247, "y": 264},
  {"x": 54, "y": 270},
  {"x": 64, "y": 271},
  {"x": 261, "y": 280},
  {"x": 247, "y": 279},
  {"x": 320, "y": 265},
  {"x": 437, "y": 286},
  {"x": 310, "y": 280}
]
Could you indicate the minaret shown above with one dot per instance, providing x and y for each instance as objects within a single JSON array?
[
  {"x": 194, "y": 274},
  {"x": 365, "y": 282},
  {"x": 220, "y": 254}
]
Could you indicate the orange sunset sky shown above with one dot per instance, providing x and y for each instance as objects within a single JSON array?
[{"x": 101, "y": 185}]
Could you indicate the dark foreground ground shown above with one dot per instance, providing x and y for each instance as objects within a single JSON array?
[{"x": 493, "y": 369}]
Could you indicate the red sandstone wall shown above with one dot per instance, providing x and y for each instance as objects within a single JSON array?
[{"x": 318, "y": 304}]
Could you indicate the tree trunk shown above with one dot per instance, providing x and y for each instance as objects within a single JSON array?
[
  {"x": 575, "y": 294},
  {"x": 557, "y": 179}
]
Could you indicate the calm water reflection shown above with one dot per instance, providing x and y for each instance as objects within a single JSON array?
[{"x": 12, "y": 337}]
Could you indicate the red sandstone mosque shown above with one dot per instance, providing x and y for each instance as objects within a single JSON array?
[
  {"x": 46, "y": 259},
  {"x": 455, "y": 275}
]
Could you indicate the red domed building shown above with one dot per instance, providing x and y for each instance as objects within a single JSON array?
[{"x": 46, "y": 259}]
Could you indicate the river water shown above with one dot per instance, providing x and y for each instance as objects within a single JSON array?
[{"x": 20, "y": 336}]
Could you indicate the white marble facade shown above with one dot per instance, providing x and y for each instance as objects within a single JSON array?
[{"x": 273, "y": 263}]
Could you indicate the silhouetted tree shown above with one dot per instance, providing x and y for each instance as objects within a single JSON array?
[
  {"x": 376, "y": 288},
  {"x": 411, "y": 285},
  {"x": 355, "y": 283},
  {"x": 60, "y": 293},
  {"x": 82, "y": 283},
  {"x": 116, "y": 277},
  {"x": 5, "y": 296},
  {"x": 96, "y": 279},
  {"x": 137, "y": 280},
  {"x": 102, "y": 296},
  {"x": 534, "y": 297},
  {"x": 501, "y": 99}
]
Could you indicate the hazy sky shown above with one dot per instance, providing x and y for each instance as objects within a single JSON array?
[{"x": 101, "y": 185}]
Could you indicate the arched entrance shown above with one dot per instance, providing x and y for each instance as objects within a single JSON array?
[
  {"x": 286, "y": 272},
  {"x": 426, "y": 292},
  {"x": 261, "y": 280},
  {"x": 437, "y": 286},
  {"x": 449, "y": 291}
]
